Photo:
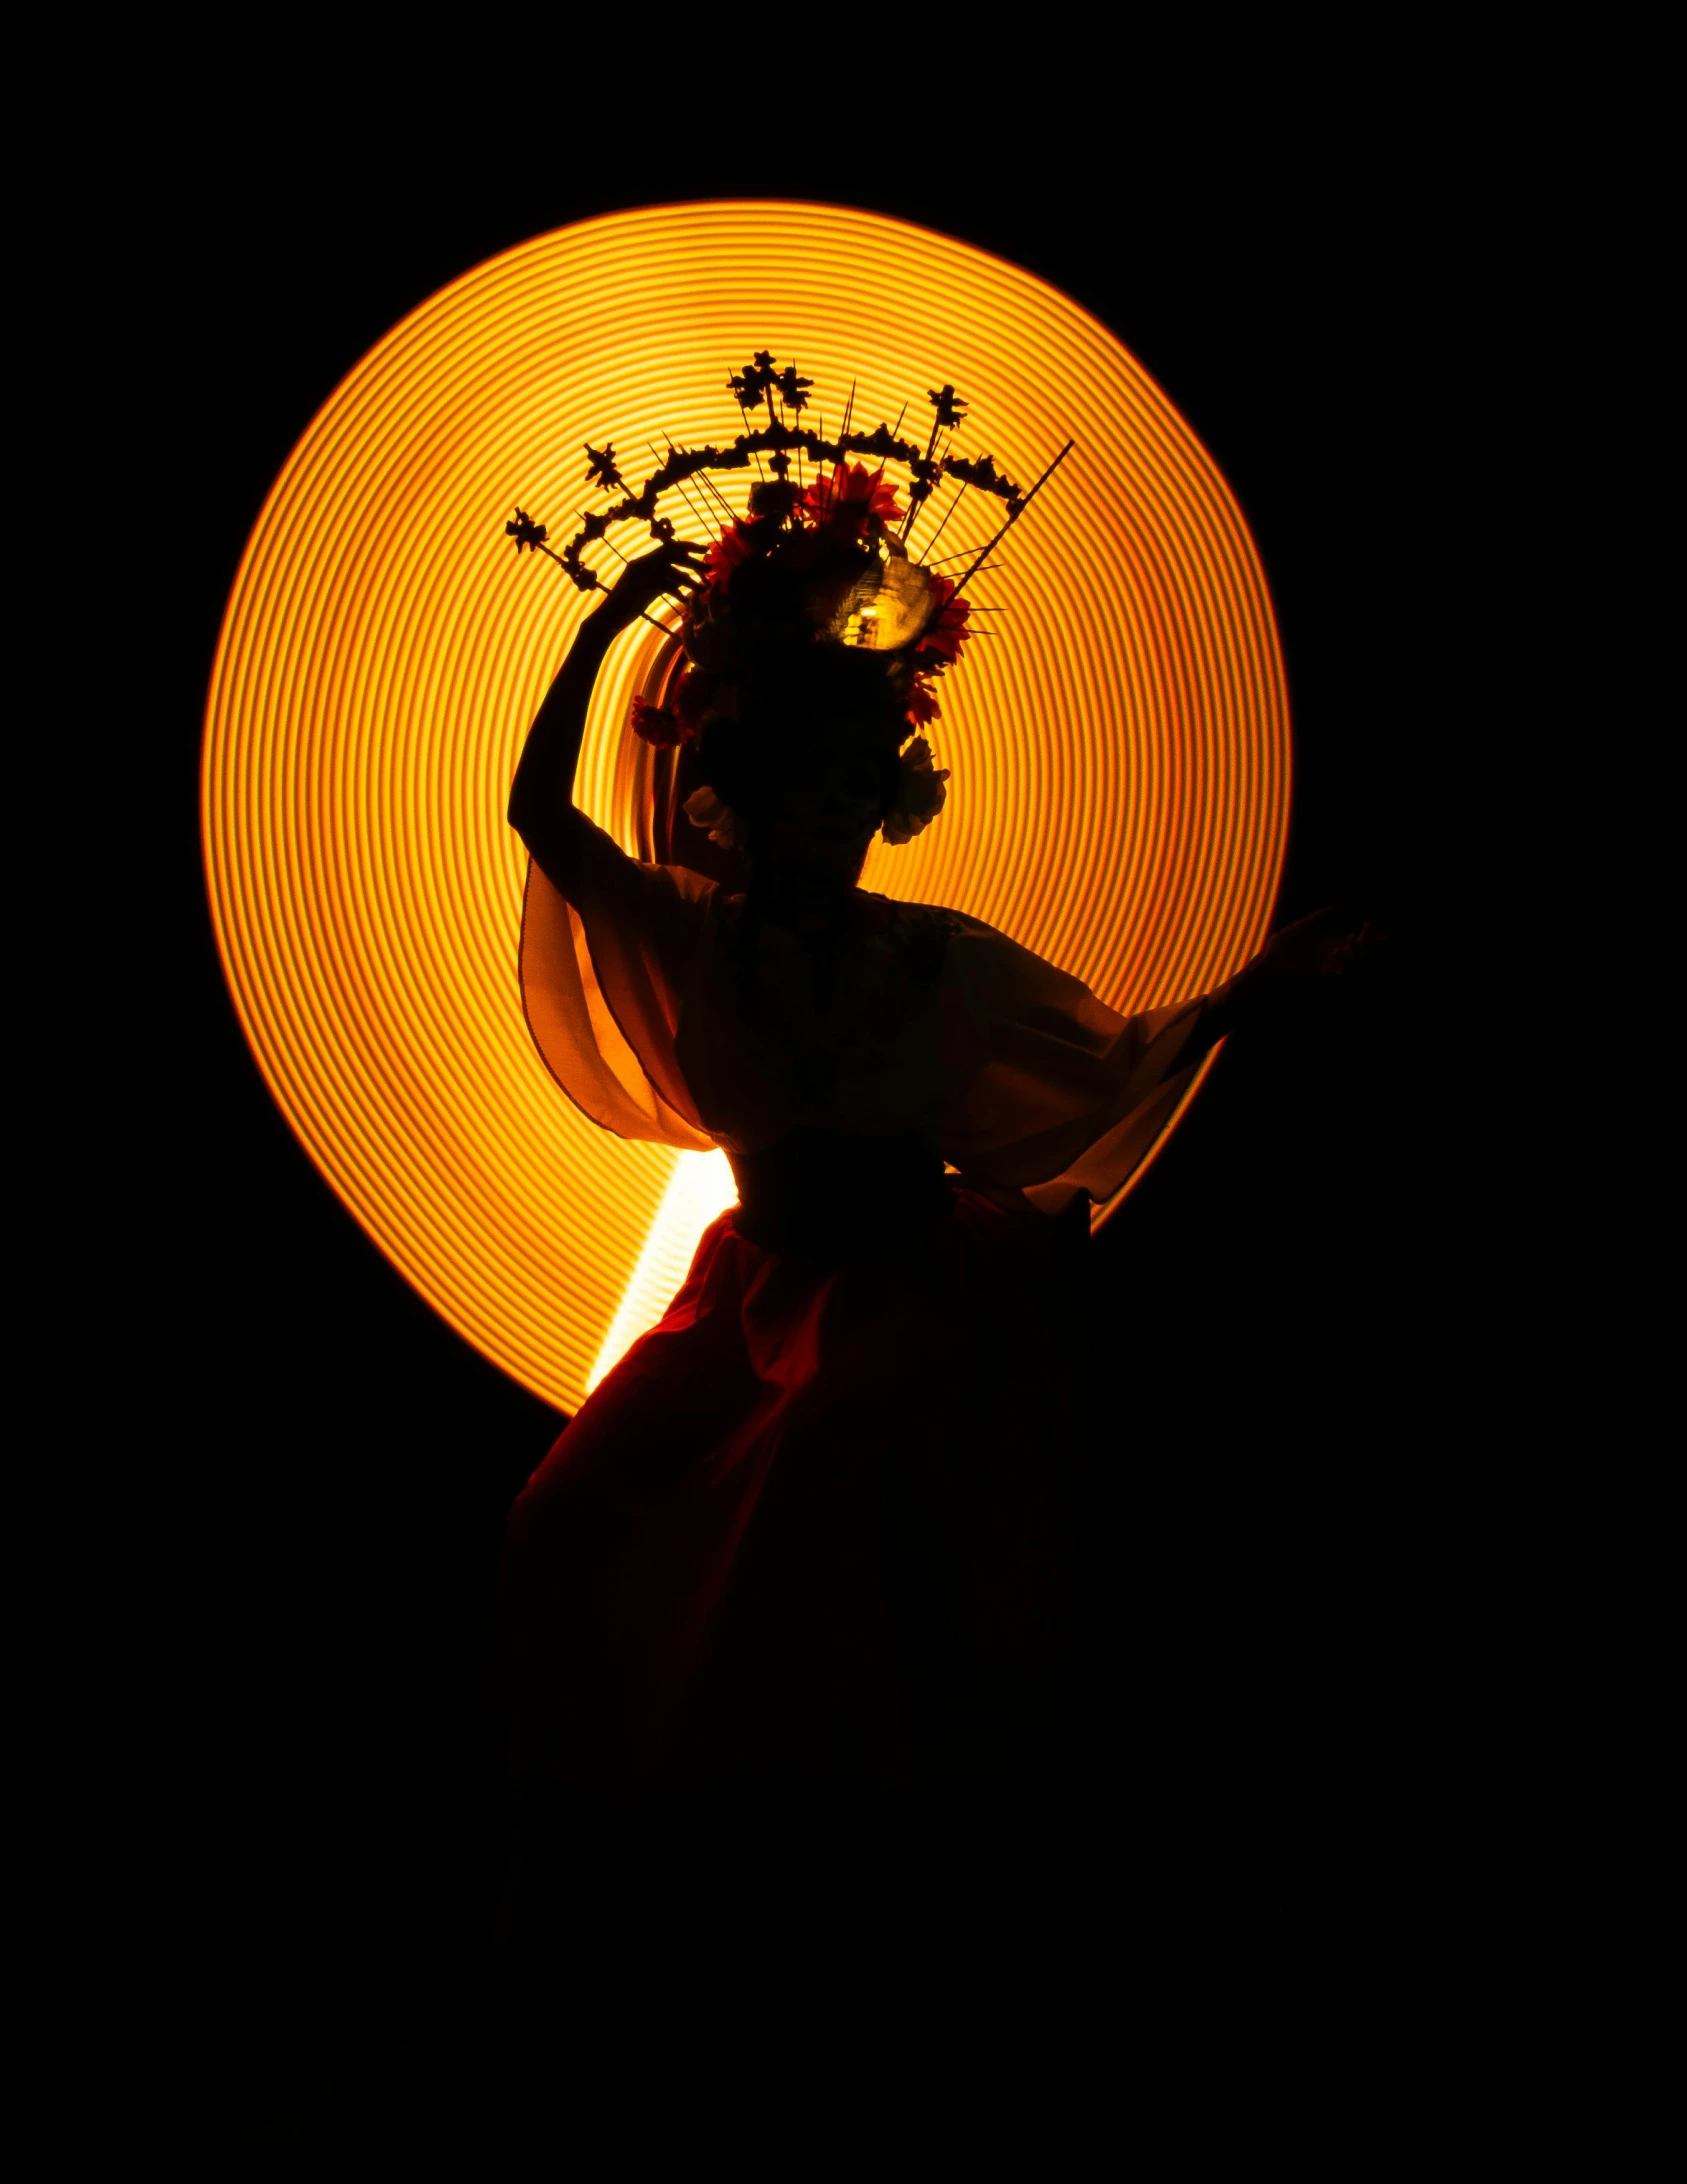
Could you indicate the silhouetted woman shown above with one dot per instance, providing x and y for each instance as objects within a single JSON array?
[{"x": 819, "y": 1523}]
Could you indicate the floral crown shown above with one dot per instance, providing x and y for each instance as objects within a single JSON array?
[{"x": 823, "y": 558}]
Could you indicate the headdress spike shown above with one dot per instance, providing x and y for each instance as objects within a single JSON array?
[{"x": 1014, "y": 514}]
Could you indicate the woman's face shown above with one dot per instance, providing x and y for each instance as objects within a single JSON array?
[{"x": 826, "y": 811}]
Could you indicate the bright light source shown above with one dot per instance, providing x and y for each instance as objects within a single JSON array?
[{"x": 701, "y": 1188}]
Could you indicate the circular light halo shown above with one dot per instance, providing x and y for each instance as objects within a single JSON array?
[{"x": 1118, "y": 743}]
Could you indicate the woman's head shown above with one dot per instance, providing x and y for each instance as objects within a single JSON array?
[
  {"x": 806, "y": 751},
  {"x": 821, "y": 811}
]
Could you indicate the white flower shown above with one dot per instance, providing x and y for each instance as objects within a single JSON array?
[
  {"x": 921, "y": 795},
  {"x": 719, "y": 821}
]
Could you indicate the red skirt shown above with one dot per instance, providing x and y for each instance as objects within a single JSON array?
[{"x": 817, "y": 1519}]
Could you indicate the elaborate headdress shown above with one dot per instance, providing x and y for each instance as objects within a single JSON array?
[{"x": 817, "y": 580}]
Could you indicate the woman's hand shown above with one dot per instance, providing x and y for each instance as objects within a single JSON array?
[
  {"x": 1327, "y": 944},
  {"x": 671, "y": 569},
  {"x": 1311, "y": 952}
]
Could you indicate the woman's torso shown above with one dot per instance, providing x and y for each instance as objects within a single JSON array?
[
  {"x": 779, "y": 1032},
  {"x": 819, "y": 1069}
]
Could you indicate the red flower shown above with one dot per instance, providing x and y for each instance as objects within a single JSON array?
[
  {"x": 948, "y": 629},
  {"x": 655, "y": 724},
  {"x": 733, "y": 546},
  {"x": 922, "y": 702},
  {"x": 852, "y": 497}
]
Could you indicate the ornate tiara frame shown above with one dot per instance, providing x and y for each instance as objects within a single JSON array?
[{"x": 764, "y": 384}]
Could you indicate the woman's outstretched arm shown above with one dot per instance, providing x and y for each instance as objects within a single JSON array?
[
  {"x": 541, "y": 795},
  {"x": 1323, "y": 946}
]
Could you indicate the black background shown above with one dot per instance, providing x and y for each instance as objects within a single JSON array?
[{"x": 1376, "y": 1586}]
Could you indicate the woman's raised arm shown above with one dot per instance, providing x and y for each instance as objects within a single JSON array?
[{"x": 541, "y": 796}]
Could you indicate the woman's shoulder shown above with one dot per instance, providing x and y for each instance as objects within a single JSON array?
[
  {"x": 986, "y": 973},
  {"x": 696, "y": 887},
  {"x": 956, "y": 933},
  {"x": 889, "y": 913},
  {"x": 596, "y": 861},
  {"x": 921, "y": 934}
]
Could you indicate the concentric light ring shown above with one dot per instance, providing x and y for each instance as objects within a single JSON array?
[{"x": 1119, "y": 744}]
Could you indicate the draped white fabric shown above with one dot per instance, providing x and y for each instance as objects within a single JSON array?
[{"x": 1014, "y": 1071}]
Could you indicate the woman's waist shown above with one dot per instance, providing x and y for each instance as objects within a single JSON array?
[{"x": 828, "y": 1195}]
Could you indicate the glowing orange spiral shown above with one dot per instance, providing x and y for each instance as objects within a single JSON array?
[{"x": 1119, "y": 744}]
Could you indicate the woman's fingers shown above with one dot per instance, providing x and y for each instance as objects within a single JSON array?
[
  {"x": 678, "y": 559},
  {"x": 666, "y": 570},
  {"x": 1362, "y": 945},
  {"x": 1326, "y": 943}
]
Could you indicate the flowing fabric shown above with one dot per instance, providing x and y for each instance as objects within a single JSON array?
[
  {"x": 825, "y": 1511},
  {"x": 1014, "y": 1070},
  {"x": 824, "y": 1518}
]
